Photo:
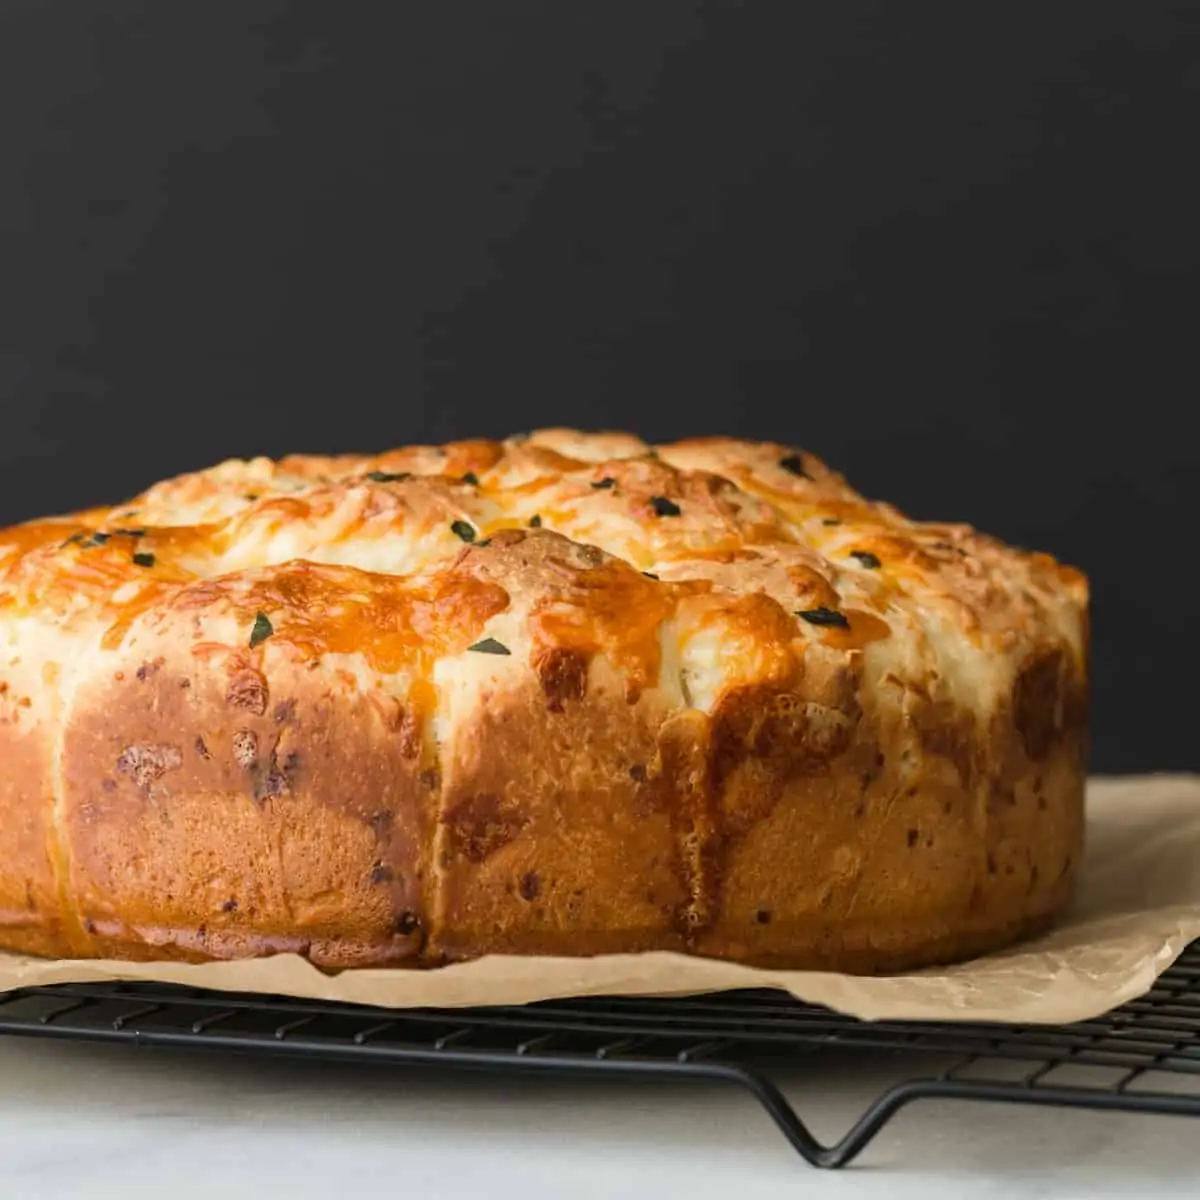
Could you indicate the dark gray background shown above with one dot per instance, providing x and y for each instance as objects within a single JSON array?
[{"x": 953, "y": 248}]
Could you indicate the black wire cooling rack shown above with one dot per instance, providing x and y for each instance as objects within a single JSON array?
[{"x": 1143, "y": 1057}]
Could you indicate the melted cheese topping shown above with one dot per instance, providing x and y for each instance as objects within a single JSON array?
[{"x": 692, "y": 568}]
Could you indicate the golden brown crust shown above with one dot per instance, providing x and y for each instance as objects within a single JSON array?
[{"x": 563, "y": 694}]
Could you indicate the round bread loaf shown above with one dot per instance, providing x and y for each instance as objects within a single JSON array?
[{"x": 565, "y": 694}]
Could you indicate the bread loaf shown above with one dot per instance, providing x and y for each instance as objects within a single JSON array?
[{"x": 564, "y": 694}]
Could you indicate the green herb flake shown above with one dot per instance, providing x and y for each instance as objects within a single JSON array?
[
  {"x": 794, "y": 465},
  {"x": 607, "y": 482},
  {"x": 97, "y": 539},
  {"x": 132, "y": 533},
  {"x": 535, "y": 522},
  {"x": 831, "y": 521},
  {"x": 664, "y": 507},
  {"x": 144, "y": 560},
  {"x": 463, "y": 530},
  {"x": 471, "y": 478},
  {"x": 490, "y": 646},
  {"x": 868, "y": 560},
  {"x": 650, "y": 575},
  {"x": 389, "y": 476},
  {"x": 74, "y": 540},
  {"x": 262, "y": 630},
  {"x": 824, "y": 616}
]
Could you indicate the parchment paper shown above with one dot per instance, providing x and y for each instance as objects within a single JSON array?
[{"x": 1137, "y": 908}]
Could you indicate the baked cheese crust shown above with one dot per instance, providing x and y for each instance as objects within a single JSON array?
[{"x": 562, "y": 694}]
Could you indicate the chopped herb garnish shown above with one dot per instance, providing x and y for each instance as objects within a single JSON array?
[
  {"x": 74, "y": 539},
  {"x": 535, "y": 522},
  {"x": 868, "y": 560},
  {"x": 824, "y": 616},
  {"x": 484, "y": 542},
  {"x": 607, "y": 482},
  {"x": 389, "y": 476},
  {"x": 251, "y": 496},
  {"x": 261, "y": 631},
  {"x": 649, "y": 574},
  {"x": 97, "y": 539},
  {"x": 471, "y": 478},
  {"x": 490, "y": 646},
  {"x": 664, "y": 507},
  {"x": 133, "y": 533},
  {"x": 463, "y": 530},
  {"x": 144, "y": 560},
  {"x": 831, "y": 521},
  {"x": 794, "y": 465}
]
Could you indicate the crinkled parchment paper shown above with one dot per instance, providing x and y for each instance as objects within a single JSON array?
[{"x": 1137, "y": 908}]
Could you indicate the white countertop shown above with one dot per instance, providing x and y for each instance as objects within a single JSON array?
[{"x": 81, "y": 1120}]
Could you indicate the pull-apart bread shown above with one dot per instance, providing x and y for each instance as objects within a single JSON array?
[{"x": 565, "y": 694}]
